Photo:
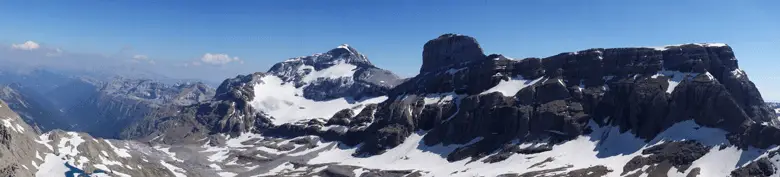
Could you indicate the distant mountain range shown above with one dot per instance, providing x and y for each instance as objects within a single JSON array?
[{"x": 679, "y": 110}]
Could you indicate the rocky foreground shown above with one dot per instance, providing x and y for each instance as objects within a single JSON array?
[{"x": 681, "y": 110}]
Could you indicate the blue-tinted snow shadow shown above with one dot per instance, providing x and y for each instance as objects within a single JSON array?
[
  {"x": 612, "y": 142},
  {"x": 76, "y": 172}
]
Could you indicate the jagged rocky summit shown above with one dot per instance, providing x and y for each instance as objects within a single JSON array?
[
  {"x": 340, "y": 72},
  {"x": 680, "y": 110}
]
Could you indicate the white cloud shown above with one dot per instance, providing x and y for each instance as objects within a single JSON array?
[
  {"x": 54, "y": 53},
  {"x": 29, "y": 45},
  {"x": 142, "y": 58},
  {"x": 217, "y": 59}
]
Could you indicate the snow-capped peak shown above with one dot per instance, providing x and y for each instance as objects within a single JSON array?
[
  {"x": 343, "y": 46},
  {"x": 344, "y": 58}
]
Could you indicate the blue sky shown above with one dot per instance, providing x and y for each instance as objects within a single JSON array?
[{"x": 390, "y": 33}]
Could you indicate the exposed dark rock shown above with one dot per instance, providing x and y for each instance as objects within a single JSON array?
[
  {"x": 5, "y": 137},
  {"x": 624, "y": 87},
  {"x": 9, "y": 171},
  {"x": 694, "y": 172},
  {"x": 677, "y": 154},
  {"x": 511, "y": 149},
  {"x": 543, "y": 172},
  {"x": 449, "y": 49},
  {"x": 761, "y": 167},
  {"x": 343, "y": 117}
]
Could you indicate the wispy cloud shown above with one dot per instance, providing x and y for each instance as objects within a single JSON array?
[
  {"x": 218, "y": 59},
  {"x": 54, "y": 53},
  {"x": 138, "y": 58},
  {"x": 29, "y": 45},
  {"x": 31, "y": 54}
]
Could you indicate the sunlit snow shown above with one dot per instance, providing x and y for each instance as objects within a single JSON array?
[
  {"x": 512, "y": 86},
  {"x": 119, "y": 151},
  {"x": 175, "y": 170},
  {"x": 333, "y": 72},
  {"x": 13, "y": 126},
  {"x": 605, "y": 146},
  {"x": 286, "y": 104}
]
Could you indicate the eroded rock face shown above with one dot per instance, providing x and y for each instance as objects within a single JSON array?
[
  {"x": 641, "y": 90},
  {"x": 760, "y": 167},
  {"x": 446, "y": 50},
  {"x": 661, "y": 158},
  {"x": 17, "y": 144},
  {"x": 489, "y": 104}
]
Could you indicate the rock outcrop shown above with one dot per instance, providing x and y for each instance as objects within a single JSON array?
[
  {"x": 641, "y": 90},
  {"x": 449, "y": 49}
]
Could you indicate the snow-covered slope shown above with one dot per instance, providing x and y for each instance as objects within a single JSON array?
[
  {"x": 320, "y": 85},
  {"x": 285, "y": 103}
]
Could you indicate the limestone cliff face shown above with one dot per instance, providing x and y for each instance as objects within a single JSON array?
[
  {"x": 490, "y": 104},
  {"x": 17, "y": 145},
  {"x": 642, "y": 90}
]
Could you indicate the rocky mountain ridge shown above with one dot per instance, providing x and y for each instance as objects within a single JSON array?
[
  {"x": 682, "y": 110},
  {"x": 33, "y": 108}
]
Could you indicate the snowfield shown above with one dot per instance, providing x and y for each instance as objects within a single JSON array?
[
  {"x": 512, "y": 86},
  {"x": 286, "y": 104},
  {"x": 336, "y": 71},
  {"x": 605, "y": 146}
]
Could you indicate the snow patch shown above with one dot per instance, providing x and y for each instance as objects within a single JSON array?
[
  {"x": 227, "y": 174},
  {"x": 285, "y": 167},
  {"x": 15, "y": 127},
  {"x": 439, "y": 98},
  {"x": 178, "y": 172},
  {"x": 167, "y": 150},
  {"x": 334, "y": 72},
  {"x": 52, "y": 166},
  {"x": 67, "y": 147},
  {"x": 675, "y": 77},
  {"x": 717, "y": 162},
  {"x": 738, "y": 73},
  {"x": 216, "y": 167},
  {"x": 44, "y": 140},
  {"x": 512, "y": 86},
  {"x": 119, "y": 151},
  {"x": 699, "y": 44}
]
